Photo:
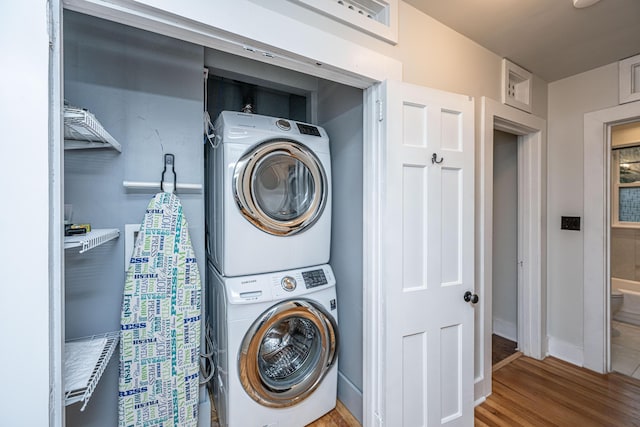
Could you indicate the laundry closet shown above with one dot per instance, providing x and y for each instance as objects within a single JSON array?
[{"x": 148, "y": 91}]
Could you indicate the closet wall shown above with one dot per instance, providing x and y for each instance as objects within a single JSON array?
[
  {"x": 146, "y": 90},
  {"x": 340, "y": 113},
  {"x": 505, "y": 235}
]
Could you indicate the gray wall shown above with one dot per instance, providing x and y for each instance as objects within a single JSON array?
[
  {"x": 505, "y": 234},
  {"x": 340, "y": 113},
  {"x": 147, "y": 91}
]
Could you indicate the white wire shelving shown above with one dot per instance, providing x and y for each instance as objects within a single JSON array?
[
  {"x": 90, "y": 240},
  {"x": 85, "y": 362},
  {"x": 82, "y": 130}
]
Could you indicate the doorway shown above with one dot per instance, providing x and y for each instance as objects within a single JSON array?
[
  {"x": 504, "y": 340},
  {"x": 624, "y": 282},
  {"x": 530, "y": 132},
  {"x": 596, "y": 270}
]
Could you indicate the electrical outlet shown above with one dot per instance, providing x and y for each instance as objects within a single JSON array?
[
  {"x": 570, "y": 223},
  {"x": 130, "y": 236}
]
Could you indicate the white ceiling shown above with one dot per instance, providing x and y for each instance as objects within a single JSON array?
[{"x": 550, "y": 38}]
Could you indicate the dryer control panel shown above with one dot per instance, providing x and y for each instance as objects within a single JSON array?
[{"x": 308, "y": 129}]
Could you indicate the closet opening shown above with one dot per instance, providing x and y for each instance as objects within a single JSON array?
[
  {"x": 506, "y": 262},
  {"x": 147, "y": 89}
]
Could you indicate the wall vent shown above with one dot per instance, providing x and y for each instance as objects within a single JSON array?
[
  {"x": 378, "y": 18},
  {"x": 516, "y": 86},
  {"x": 629, "y": 70}
]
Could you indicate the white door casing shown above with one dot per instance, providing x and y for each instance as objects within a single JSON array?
[
  {"x": 597, "y": 227},
  {"x": 427, "y": 219},
  {"x": 531, "y": 132}
]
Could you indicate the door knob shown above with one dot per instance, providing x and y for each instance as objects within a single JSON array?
[{"x": 471, "y": 297}]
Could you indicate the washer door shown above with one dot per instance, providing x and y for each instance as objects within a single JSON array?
[
  {"x": 287, "y": 352},
  {"x": 281, "y": 187}
]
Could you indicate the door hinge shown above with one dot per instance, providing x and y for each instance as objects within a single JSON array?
[
  {"x": 380, "y": 110},
  {"x": 50, "y": 25},
  {"x": 379, "y": 422}
]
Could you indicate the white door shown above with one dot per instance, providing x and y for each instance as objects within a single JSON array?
[{"x": 427, "y": 252}]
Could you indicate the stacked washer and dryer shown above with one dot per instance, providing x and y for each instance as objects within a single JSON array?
[{"x": 272, "y": 299}]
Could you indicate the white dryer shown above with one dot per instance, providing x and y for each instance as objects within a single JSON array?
[
  {"x": 269, "y": 195},
  {"x": 275, "y": 347}
]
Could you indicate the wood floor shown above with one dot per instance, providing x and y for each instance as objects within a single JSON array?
[
  {"x": 339, "y": 417},
  {"x": 529, "y": 392},
  {"x": 501, "y": 348}
]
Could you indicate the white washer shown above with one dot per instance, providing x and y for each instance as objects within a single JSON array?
[
  {"x": 269, "y": 195},
  {"x": 275, "y": 344}
]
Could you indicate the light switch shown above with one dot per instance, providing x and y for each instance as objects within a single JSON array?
[{"x": 570, "y": 223}]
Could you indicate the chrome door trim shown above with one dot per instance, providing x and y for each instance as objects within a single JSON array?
[
  {"x": 249, "y": 371},
  {"x": 243, "y": 178}
]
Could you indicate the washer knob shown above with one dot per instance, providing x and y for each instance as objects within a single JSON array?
[
  {"x": 283, "y": 124},
  {"x": 288, "y": 283}
]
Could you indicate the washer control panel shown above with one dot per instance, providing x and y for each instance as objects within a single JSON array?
[
  {"x": 279, "y": 285},
  {"x": 313, "y": 278},
  {"x": 288, "y": 283}
]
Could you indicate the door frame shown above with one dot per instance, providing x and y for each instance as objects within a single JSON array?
[
  {"x": 352, "y": 65},
  {"x": 532, "y": 165},
  {"x": 597, "y": 231}
]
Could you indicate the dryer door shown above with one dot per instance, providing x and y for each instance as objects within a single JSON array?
[
  {"x": 281, "y": 187},
  {"x": 287, "y": 352}
]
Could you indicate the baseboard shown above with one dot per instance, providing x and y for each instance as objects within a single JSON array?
[
  {"x": 563, "y": 350},
  {"x": 505, "y": 329},
  {"x": 479, "y": 401},
  {"x": 350, "y": 396},
  {"x": 204, "y": 408}
]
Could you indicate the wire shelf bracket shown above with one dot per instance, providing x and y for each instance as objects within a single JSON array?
[
  {"x": 96, "y": 365},
  {"x": 91, "y": 240},
  {"x": 83, "y": 130}
]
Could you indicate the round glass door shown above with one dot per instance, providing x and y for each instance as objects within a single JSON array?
[
  {"x": 287, "y": 352},
  {"x": 280, "y": 187}
]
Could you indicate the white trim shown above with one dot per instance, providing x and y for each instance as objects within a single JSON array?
[
  {"x": 373, "y": 327},
  {"x": 566, "y": 351},
  {"x": 531, "y": 131},
  {"x": 56, "y": 217},
  {"x": 597, "y": 231},
  {"x": 479, "y": 401}
]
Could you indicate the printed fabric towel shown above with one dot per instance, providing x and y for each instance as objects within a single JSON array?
[{"x": 160, "y": 323}]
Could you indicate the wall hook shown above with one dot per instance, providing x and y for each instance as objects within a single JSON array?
[
  {"x": 434, "y": 159},
  {"x": 169, "y": 160}
]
